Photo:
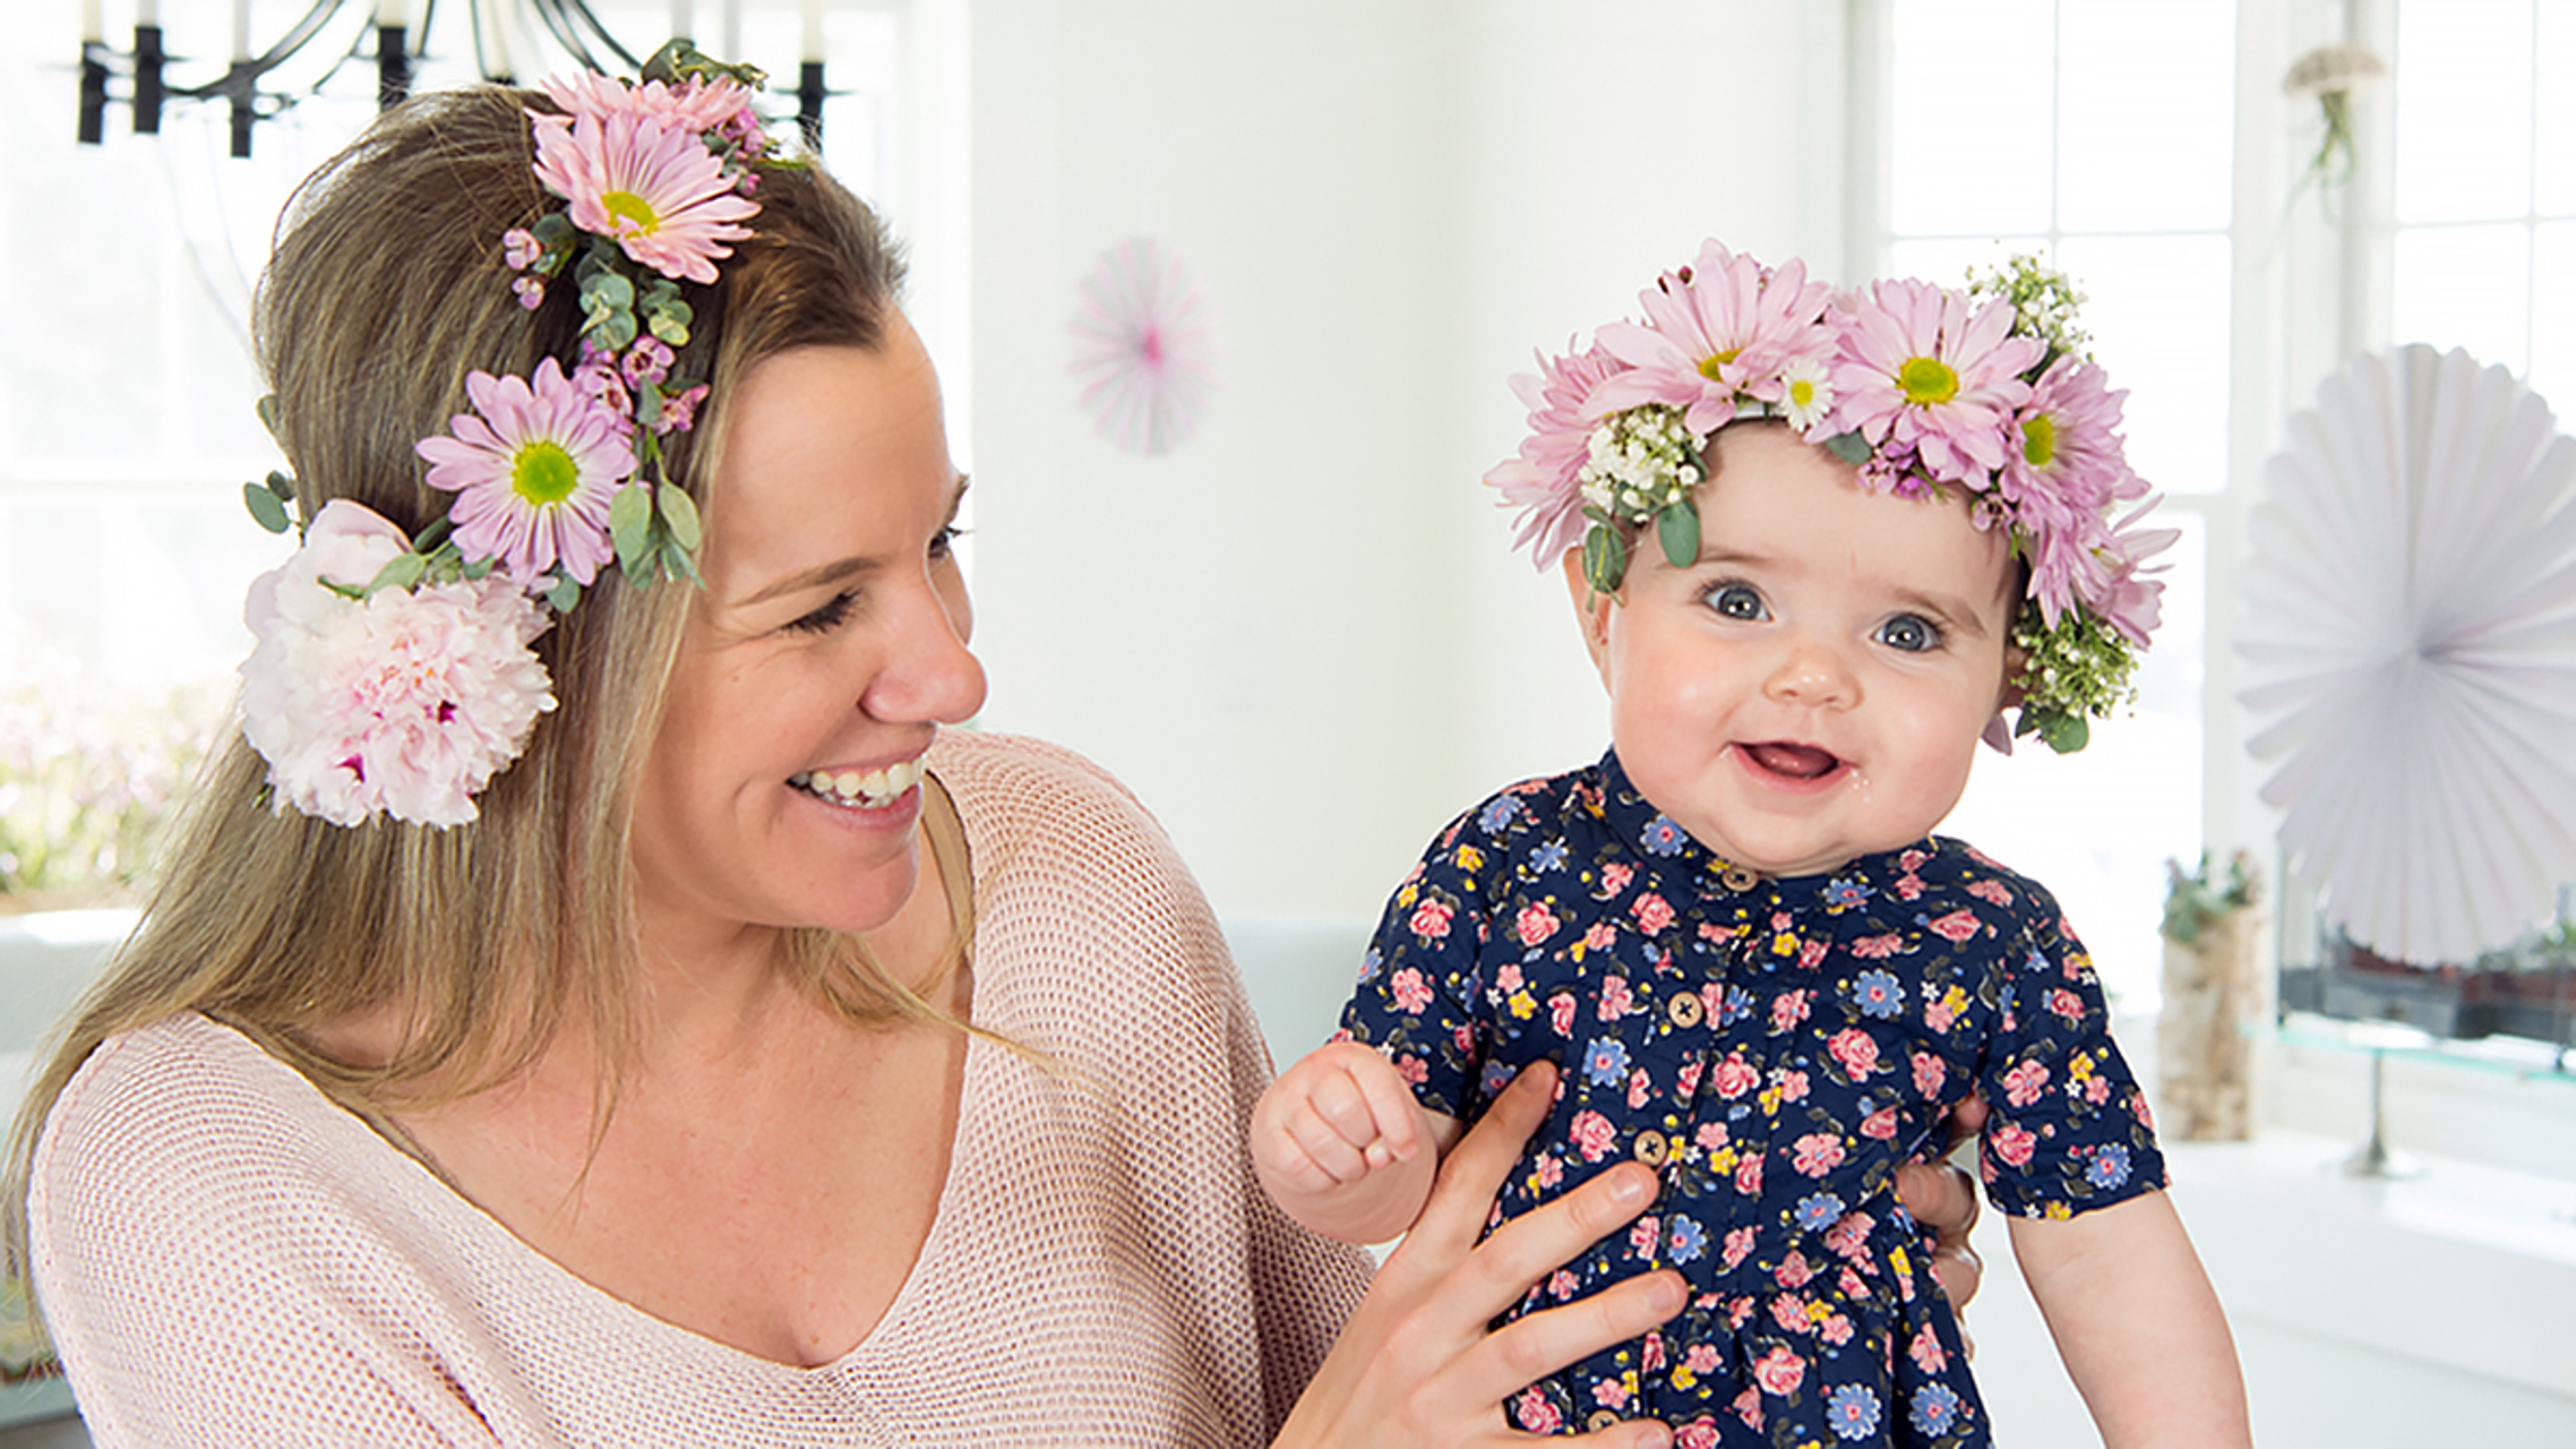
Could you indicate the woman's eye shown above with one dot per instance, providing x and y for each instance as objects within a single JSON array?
[
  {"x": 1910, "y": 634},
  {"x": 1735, "y": 601},
  {"x": 944, "y": 542},
  {"x": 826, "y": 618}
]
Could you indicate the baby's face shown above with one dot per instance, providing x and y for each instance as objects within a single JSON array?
[{"x": 1813, "y": 687}]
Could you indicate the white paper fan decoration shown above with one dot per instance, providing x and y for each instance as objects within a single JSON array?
[
  {"x": 1141, "y": 349},
  {"x": 2410, "y": 638}
]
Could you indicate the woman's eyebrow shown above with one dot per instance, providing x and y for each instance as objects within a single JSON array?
[
  {"x": 854, "y": 567},
  {"x": 817, "y": 576}
]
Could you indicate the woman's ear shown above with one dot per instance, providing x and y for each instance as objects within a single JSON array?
[{"x": 1591, "y": 611}]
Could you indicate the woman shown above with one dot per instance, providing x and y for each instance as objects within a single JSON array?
[{"x": 669, "y": 1033}]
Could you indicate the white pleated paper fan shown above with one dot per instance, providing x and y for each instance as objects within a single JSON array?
[{"x": 2409, "y": 639}]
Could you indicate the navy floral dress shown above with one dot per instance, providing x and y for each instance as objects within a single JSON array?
[{"x": 1775, "y": 1049}]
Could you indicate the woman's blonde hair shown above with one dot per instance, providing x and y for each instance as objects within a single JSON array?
[{"x": 482, "y": 942}]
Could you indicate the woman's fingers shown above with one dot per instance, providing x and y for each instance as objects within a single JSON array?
[{"x": 1513, "y": 1357}]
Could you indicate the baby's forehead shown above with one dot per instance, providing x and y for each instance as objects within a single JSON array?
[{"x": 1788, "y": 492}]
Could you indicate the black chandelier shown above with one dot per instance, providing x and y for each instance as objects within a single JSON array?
[{"x": 377, "y": 30}]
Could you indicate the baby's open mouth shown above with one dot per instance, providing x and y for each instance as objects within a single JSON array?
[{"x": 1798, "y": 762}]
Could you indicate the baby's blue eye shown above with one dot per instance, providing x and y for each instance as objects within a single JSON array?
[
  {"x": 1910, "y": 634},
  {"x": 1735, "y": 601}
]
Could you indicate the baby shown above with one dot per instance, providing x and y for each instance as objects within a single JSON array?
[{"x": 1827, "y": 544}]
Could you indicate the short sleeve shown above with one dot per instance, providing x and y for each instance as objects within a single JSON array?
[
  {"x": 2070, "y": 1130},
  {"x": 1420, "y": 980}
]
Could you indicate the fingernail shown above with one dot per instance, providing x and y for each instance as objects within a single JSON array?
[
  {"x": 1665, "y": 1294},
  {"x": 1629, "y": 1189}
]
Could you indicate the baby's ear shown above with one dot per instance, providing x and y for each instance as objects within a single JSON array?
[
  {"x": 1591, "y": 611},
  {"x": 1998, "y": 735}
]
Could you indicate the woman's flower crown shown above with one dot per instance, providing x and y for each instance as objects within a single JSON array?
[
  {"x": 1925, "y": 389},
  {"x": 392, "y": 675}
]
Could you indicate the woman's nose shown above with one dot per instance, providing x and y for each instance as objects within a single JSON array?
[{"x": 929, "y": 673}]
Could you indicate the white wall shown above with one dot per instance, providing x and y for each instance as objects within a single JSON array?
[{"x": 1300, "y": 637}]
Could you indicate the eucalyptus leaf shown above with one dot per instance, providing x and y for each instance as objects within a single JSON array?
[
  {"x": 400, "y": 572},
  {"x": 265, "y": 507},
  {"x": 266, "y": 407},
  {"x": 281, "y": 485},
  {"x": 563, "y": 593},
  {"x": 681, "y": 515},
  {"x": 1677, "y": 527},
  {"x": 630, "y": 522},
  {"x": 1605, "y": 559},
  {"x": 1851, "y": 447},
  {"x": 2065, "y": 733}
]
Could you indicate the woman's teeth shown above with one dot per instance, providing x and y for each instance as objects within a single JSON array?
[{"x": 868, "y": 790}]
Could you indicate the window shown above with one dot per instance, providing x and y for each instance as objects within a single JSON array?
[{"x": 2099, "y": 136}]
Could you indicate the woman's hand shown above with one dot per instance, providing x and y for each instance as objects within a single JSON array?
[
  {"x": 1942, "y": 1197},
  {"x": 1419, "y": 1363}
]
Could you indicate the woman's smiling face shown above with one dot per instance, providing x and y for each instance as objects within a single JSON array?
[
  {"x": 1813, "y": 686},
  {"x": 829, "y": 644}
]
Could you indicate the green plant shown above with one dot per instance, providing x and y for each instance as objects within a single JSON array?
[{"x": 2195, "y": 899}]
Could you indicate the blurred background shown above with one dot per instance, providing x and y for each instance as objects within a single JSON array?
[{"x": 1288, "y": 615}]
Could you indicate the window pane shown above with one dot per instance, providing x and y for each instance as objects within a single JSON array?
[
  {"x": 2463, "y": 110},
  {"x": 2158, "y": 311},
  {"x": 2554, "y": 109},
  {"x": 2145, "y": 122},
  {"x": 2138, "y": 784},
  {"x": 2464, "y": 286},
  {"x": 2553, "y": 319},
  {"x": 1946, "y": 260},
  {"x": 1968, "y": 121}
]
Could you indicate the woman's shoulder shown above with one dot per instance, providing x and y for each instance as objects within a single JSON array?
[{"x": 186, "y": 1110}]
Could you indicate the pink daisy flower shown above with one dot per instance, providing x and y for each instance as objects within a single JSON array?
[
  {"x": 1545, "y": 480},
  {"x": 2121, "y": 589},
  {"x": 1922, "y": 373},
  {"x": 1730, "y": 328},
  {"x": 533, "y": 474},
  {"x": 649, "y": 182},
  {"x": 2067, "y": 472},
  {"x": 699, "y": 104}
]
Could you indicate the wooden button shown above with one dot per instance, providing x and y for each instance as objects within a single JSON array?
[
  {"x": 1686, "y": 1009},
  {"x": 1601, "y": 1419},
  {"x": 1736, "y": 878},
  {"x": 1651, "y": 1148}
]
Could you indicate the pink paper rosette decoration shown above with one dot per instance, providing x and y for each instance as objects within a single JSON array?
[{"x": 1140, "y": 349}]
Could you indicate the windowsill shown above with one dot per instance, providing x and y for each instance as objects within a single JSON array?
[{"x": 2468, "y": 1266}]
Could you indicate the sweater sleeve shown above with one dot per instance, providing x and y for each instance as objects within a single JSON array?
[
  {"x": 1141, "y": 1006},
  {"x": 202, "y": 1284}
]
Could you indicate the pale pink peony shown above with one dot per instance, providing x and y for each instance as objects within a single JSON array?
[
  {"x": 1732, "y": 328},
  {"x": 405, "y": 703},
  {"x": 533, "y": 474},
  {"x": 1924, "y": 371},
  {"x": 648, "y": 181},
  {"x": 1544, "y": 481}
]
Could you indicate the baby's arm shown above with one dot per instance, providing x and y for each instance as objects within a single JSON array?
[
  {"x": 2137, "y": 1324},
  {"x": 1343, "y": 1147}
]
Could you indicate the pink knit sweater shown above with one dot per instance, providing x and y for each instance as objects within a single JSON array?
[{"x": 226, "y": 1258}]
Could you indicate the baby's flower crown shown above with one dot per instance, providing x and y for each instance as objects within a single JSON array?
[
  {"x": 392, "y": 675},
  {"x": 1925, "y": 389}
]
